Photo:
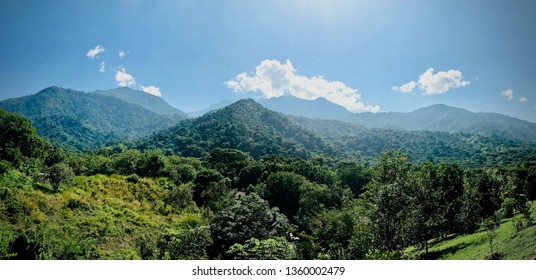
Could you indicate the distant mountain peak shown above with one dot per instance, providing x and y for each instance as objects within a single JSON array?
[
  {"x": 55, "y": 89},
  {"x": 244, "y": 125},
  {"x": 246, "y": 102},
  {"x": 444, "y": 118},
  {"x": 320, "y": 108}
]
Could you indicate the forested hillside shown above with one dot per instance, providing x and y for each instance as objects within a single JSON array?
[
  {"x": 83, "y": 121},
  {"x": 121, "y": 203},
  {"x": 462, "y": 148},
  {"x": 244, "y": 125},
  {"x": 251, "y": 128}
]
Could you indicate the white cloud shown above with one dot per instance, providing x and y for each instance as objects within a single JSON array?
[
  {"x": 121, "y": 54},
  {"x": 95, "y": 51},
  {"x": 274, "y": 79},
  {"x": 441, "y": 82},
  {"x": 522, "y": 99},
  {"x": 152, "y": 90},
  {"x": 509, "y": 93},
  {"x": 438, "y": 83},
  {"x": 406, "y": 88},
  {"x": 124, "y": 79},
  {"x": 102, "y": 67}
]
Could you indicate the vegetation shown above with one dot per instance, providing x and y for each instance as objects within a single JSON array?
[
  {"x": 513, "y": 240},
  {"x": 81, "y": 121},
  {"x": 259, "y": 187},
  {"x": 244, "y": 125},
  {"x": 465, "y": 149}
]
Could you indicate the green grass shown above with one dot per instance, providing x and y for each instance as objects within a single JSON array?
[{"x": 512, "y": 245}]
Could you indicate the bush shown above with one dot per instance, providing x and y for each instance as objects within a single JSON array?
[
  {"x": 269, "y": 249},
  {"x": 180, "y": 197},
  {"x": 60, "y": 173},
  {"x": 132, "y": 178}
]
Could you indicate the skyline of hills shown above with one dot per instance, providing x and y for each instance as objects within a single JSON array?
[
  {"x": 83, "y": 120},
  {"x": 88, "y": 120}
]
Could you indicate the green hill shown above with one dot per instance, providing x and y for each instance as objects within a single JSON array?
[
  {"x": 243, "y": 125},
  {"x": 83, "y": 120}
]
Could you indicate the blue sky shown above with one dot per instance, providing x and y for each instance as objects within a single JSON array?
[{"x": 366, "y": 55}]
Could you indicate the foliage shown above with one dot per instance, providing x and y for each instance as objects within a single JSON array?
[
  {"x": 118, "y": 202},
  {"x": 250, "y": 217},
  {"x": 18, "y": 140},
  {"x": 244, "y": 125},
  {"x": 270, "y": 249},
  {"x": 82, "y": 120},
  {"x": 188, "y": 244}
]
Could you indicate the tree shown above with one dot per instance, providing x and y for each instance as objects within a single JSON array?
[
  {"x": 438, "y": 196},
  {"x": 18, "y": 139},
  {"x": 389, "y": 202},
  {"x": 353, "y": 175},
  {"x": 283, "y": 191},
  {"x": 60, "y": 173},
  {"x": 218, "y": 196},
  {"x": 190, "y": 243},
  {"x": 152, "y": 163},
  {"x": 269, "y": 249},
  {"x": 250, "y": 218},
  {"x": 201, "y": 182},
  {"x": 333, "y": 231},
  {"x": 228, "y": 162},
  {"x": 488, "y": 186},
  {"x": 180, "y": 196}
]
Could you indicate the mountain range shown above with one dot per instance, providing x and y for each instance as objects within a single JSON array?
[
  {"x": 450, "y": 119},
  {"x": 83, "y": 120},
  {"x": 245, "y": 125},
  {"x": 438, "y": 117},
  {"x": 248, "y": 126}
]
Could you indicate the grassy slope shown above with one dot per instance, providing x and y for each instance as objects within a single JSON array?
[
  {"x": 513, "y": 246},
  {"x": 105, "y": 213}
]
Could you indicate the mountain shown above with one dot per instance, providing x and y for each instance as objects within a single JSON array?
[
  {"x": 84, "y": 120},
  {"x": 145, "y": 100},
  {"x": 217, "y": 106},
  {"x": 319, "y": 108},
  {"x": 450, "y": 119},
  {"x": 248, "y": 126},
  {"x": 289, "y": 105},
  {"x": 243, "y": 125}
]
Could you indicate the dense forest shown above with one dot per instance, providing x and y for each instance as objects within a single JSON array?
[
  {"x": 247, "y": 183},
  {"x": 78, "y": 120}
]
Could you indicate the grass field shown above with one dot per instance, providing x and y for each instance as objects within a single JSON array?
[{"x": 510, "y": 243}]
